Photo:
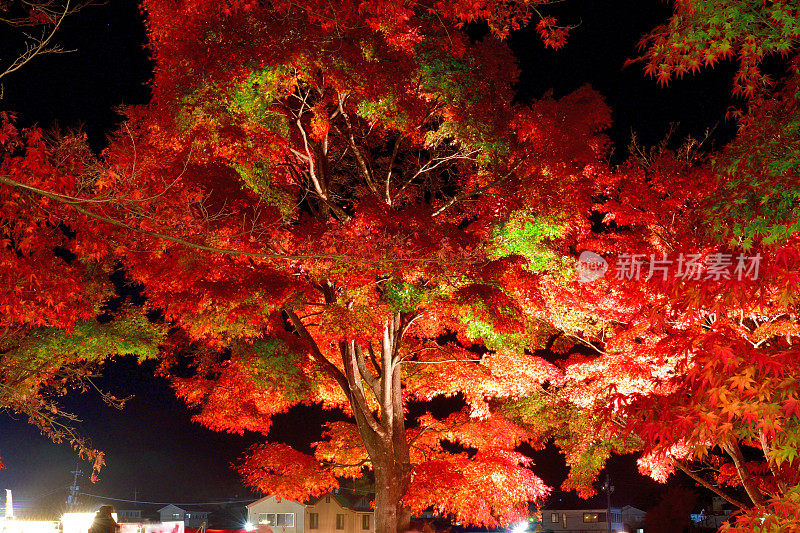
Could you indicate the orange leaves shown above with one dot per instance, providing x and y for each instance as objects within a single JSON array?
[
  {"x": 342, "y": 450},
  {"x": 493, "y": 432},
  {"x": 552, "y": 35},
  {"x": 235, "y": 401},
  {"x": 282, "y": 471},
  {"x": 319, "y": 123},
  {"x": 490, "y": 488},
  {"x": 519, "y": 374}
]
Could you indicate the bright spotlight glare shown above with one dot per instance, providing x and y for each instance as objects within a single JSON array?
[
  {"x": 522, "y": 527},
  {"x": 248, "y": 526}
]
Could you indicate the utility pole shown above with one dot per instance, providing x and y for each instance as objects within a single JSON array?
[
  {"x": 608, "y": 488},
  {"x": 72, "y": 499}
]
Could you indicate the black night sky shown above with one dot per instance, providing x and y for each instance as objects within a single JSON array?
[{"x": 153, "y": 449}]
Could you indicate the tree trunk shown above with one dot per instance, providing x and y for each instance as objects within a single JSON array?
[
  {"x": 383, "y": 433},
  {"x": 390, "y": 486}
]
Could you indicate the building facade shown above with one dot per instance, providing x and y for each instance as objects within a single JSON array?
[
  {"x": 129, "y": 515},
  {"x": 191, "y": 519},
  {"x": 331, "y": 513},
  {"x": 279, "y": 515},
  {"x": 626, "y": 519},
  {"x": 334, "y": 513}
]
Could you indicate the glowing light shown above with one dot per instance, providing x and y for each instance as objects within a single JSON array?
[
  {"x": 249, "y": 526},
  {"x": 522, "y": 527},
  {"x": 28, "y": 526},
  {"x": 9, "y": 505},
  {"x": 78, "y": 522}
]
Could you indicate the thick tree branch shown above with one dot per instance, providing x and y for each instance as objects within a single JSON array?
[
  {"x": 716, "y": 490},
  {"x": 388, "y": 365},
  {"x": 388, "y": 181},
  {"x": 773, "y": 466},
  {"x": 732, "y": 448},
  {"x": 362, "y": 163},
  {"x": 366, "y": 375},
  {"x": 374, "y": 360},
  {"x": 329, "y": 367},
  {"x": 357, "y": 398}
]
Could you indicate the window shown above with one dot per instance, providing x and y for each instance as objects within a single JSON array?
[
  {"x": 554, "y": 518},
  {"x": 339, "y": 521},
  {"x": 594, "y": 517},
  {"x": 313, "y": 521},
  {"x": 284, "y": 519},
  {"x": 176, "y": 516},
  {"x": 327, "y": 499},
  {"x": 276, "y": 519},
  {"x": 364, "y": 521}
]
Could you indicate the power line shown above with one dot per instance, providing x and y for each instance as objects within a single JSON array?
[{"x": 164, "y": 503}]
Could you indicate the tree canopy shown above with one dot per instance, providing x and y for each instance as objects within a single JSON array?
[{"x": 342, "y": 205}]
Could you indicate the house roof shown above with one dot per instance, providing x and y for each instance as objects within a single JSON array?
[
  {"x": 272, "y": 496},
  {"x": 258, "y": 501},
  {"x": 591, "y": 506},
  {"x": 586, "y": 509},
  {"x": 631, "y": 508},
  {"x": 171, "y": 506},
  {"x": 353, "y": 502},
  {"x": 358, "y": 503}
]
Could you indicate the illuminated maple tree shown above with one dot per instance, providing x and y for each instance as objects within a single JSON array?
[
  {"x": 339, "y": 205},
  {"x": 698, "y": 372},
  {"x": 319, "y": 199}
]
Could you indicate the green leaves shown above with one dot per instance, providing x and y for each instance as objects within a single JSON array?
[
  {"x": 256, "y": 96},
  {"x": 89, "y": 341},
  {"x": 758, "y": 199},
  {"x": 532, "y": 238}
]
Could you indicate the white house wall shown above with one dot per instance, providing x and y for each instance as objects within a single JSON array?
[{"x": 270, "y": 505}]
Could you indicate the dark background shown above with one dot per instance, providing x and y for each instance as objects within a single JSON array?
[{"x": 154, "y": 451}]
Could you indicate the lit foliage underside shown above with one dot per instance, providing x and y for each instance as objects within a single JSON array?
[
  {"x": 338, "y": 205},
  {"x": 384, "y": 199}
]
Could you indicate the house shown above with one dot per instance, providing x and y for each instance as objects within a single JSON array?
[
  {"x": 331, "y": 513},
  {"x": 623, "y": 519},
  {"x": 279, "y": 514},
  {"x": 129, "y": 515},
  {"x": 191, "y": 519},
  {"x": 336, "y": 513}
]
